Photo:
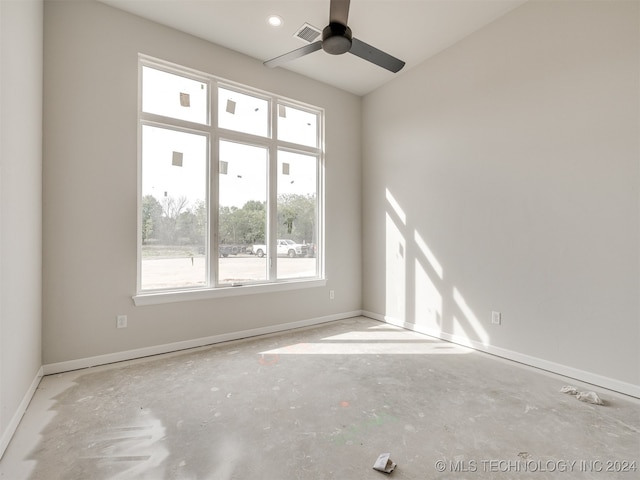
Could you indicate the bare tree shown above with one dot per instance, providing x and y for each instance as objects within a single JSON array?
[
  {"x": 171, "y": 210},
  {"x": 173, "y": 207}
]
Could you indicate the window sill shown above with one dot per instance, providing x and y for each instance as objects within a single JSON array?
[{"x": 156, "y": 298}]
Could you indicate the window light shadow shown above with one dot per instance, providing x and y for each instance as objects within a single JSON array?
[
  {"x": 470, "y": 319},
  {"x": 418, "y": 292}
]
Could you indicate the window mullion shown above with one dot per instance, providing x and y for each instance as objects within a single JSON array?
[
  {"x": 272, "y": 210},
  {"x": 186, "y": 125},
  {"x": 292, "y": 147},
  {"x": 213, "y": 205}
]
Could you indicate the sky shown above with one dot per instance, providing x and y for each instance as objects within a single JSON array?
[{"x": 175, "y": 163}]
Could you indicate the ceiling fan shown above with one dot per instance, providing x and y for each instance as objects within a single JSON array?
[{"x": 337, "y": 39}]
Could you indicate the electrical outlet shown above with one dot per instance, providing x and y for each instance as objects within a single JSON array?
[
  {"x": 496, "y": 318},
  {"x": 332, "y": 295},
  {"x": 121, "y": 321}
]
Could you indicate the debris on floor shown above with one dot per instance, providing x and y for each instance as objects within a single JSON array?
[
  {"x": 384, "y": 463},
  {"x": 588, "y": 397},
  {"x": 569, "y": 389}
]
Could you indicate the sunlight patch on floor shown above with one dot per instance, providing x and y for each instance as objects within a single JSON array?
[{"x": 371, "y": 342}]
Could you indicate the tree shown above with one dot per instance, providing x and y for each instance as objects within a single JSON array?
[
  {"x": 297, "y": 217},
  {"x": 227, "y": 225},
  {"x": 172, "y": 221},
  {"x": 244, "y": 225},
  {"x": 171, "y": 209},
  {"x": 186, "y": 228},
  {"x": 252, "y": 221},
  {"x": 151, "y": 218},
  {"x": 200, "y": 212}
]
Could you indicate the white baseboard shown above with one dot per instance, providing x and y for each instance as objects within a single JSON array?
[
  {"x": 17, "y": 416},
  {"x": 557, "y": 368},
  {"x": 80, "y": 363}
]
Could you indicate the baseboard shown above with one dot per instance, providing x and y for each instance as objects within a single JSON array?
[
  {"x": 81, "y": 363},
  {"x": 556, "y": 368},
  {"x": 17, "y": 416}
]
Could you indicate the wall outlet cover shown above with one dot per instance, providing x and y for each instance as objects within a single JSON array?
[{"x": 121, "y": 321}]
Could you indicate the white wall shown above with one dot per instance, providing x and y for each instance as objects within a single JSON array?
[
  {"x": 90, "y": 165},
  {"x": 20, "y": 208},
  {"x": 503, "y": 175}
]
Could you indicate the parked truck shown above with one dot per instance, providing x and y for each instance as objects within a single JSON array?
[
  {"x": 284, "y": 248},
  {"x": 226, "y": 250}
]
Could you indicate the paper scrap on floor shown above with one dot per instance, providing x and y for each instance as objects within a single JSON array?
[
  {"x": 384, "y": 463},
  {"x": 588, "y": 397}
]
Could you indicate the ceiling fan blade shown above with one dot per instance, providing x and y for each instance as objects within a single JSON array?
[
  {"x": 339, "y": 11},
  {"x": 373, "y": 55},
  {"x": 297, "y": 53}
]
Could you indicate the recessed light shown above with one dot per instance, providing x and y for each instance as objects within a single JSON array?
[{"x": 275, "y": 20}]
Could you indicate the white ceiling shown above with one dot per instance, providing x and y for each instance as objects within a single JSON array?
[{"x": 412, "y": 30}]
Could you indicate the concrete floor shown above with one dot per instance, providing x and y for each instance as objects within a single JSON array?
[{"x": 322, "y": 403}]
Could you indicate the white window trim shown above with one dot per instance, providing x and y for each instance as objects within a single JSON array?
[
  {"x": 272, "y": 284},
  {"x": 173, "y": 296}
]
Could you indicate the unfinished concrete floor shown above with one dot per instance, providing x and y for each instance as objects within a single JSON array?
[{"x": 322, "y": 403}]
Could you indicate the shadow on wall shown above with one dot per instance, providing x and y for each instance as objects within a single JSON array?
[{"x": 419, "y": 295}]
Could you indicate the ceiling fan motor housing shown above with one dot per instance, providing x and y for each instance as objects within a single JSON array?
[{"x": 336, "y": 38}]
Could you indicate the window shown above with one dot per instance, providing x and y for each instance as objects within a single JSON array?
[{"x": 230, "y": 185}]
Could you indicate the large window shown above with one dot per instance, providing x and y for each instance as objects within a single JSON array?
[{"x": 230, "y": 184}]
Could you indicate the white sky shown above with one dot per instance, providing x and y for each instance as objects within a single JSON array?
[{"x": 179, "y": 97}]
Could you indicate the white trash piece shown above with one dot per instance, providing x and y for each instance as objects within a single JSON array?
[
  {"x": 384, "y": 463},
  {"x": 569, "y": 389},
  {"x": 588, "y": 397}
]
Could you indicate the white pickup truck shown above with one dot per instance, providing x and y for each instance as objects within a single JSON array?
[{"x": 285, "y": 248}]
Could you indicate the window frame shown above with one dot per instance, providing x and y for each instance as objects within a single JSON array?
[{"x": 215, "y": 135}]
